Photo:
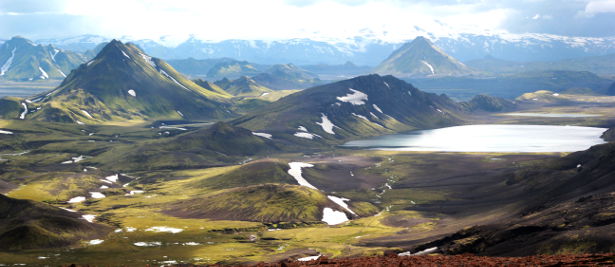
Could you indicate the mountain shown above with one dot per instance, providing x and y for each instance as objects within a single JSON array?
[
  {"x": 287, "y": 76},
  {"x": 22, "y": 60},
  {"x": 363, "y": 106},
  {"x": 488, "y": 104},
  {"x": 243, "y": 86},
  {"x": 26, "y": 224},
  {"x": 199, "y": 67},
  {"x": 233, "y": 69},
  {"x": 124, "y": 84},
  {"x": 420, "y": 58}
]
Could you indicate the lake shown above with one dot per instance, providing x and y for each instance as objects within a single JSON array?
[{"x": 489, "y": 138}]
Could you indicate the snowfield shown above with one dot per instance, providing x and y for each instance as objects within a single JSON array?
[
  {"x": 326, "y": 124},
  {"x": 295, "y": 172},
  {"x": 333, "y": 217},
  {"x": 342, "y": 202},
  {"x": 355, "y": 98},
  {"x": 164, "y": 229},
  {"x": 263, "y": 135},
  {"x": 76, "y": 199}
]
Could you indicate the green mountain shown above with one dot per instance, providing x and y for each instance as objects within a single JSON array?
[
  {"x": 287, "y": 76},
  {"x": 26, "y": 224},
  {"x": 243, "y": 86},
  {"x": 22, "y": 60},
  {"x": 488, "y": 104},
  {"x": 218, "y": 144},
  {"x": 123, "y": 84},
  {"x": 362, "y": 106},
  {"x": 421, "y": 58}
]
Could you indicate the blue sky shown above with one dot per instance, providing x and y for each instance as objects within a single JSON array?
[{"x": 318, "y": 19}]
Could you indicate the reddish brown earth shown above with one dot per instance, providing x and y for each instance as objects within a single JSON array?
[{"x": 456, "y": 260}]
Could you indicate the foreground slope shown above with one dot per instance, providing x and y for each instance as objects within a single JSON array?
[
  {"x": 362, "y": 106},
  {"x": 124, "y": 84},
  {"x": 421, "y": 58},
  {"x": 26, "y": 224},
  {"x": 569, "y": 208}
]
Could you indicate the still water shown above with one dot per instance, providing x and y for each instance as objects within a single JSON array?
[{"x": 489, "y": 138}]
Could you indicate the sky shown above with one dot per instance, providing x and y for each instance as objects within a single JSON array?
[{"x": 390, "y": 20}]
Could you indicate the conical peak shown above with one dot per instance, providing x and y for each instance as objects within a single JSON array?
[{"x": 420, "y": 40}]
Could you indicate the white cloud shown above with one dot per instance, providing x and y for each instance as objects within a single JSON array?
[
  {"x": 279, "y": 19},
  {"x": 600, "y": 6}
]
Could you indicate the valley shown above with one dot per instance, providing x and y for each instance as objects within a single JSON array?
[{"x": 399, "y": 200}]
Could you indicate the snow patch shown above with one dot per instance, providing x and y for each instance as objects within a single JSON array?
[
  {"x": 172, "y": 127},
  {"x": 165, "y": 229},
  {"x": 360, "y": 116},
  {"x": 342, "y": 202},
  {"x": 89, "y": 217},
  {"x": 180, "y": 113},
  {"x": 76, "y": 199},
  {"x": 132, "y": 93},
  {"x": 148, "y": 244},
  {"x": 429, "y": 66},
  {"x": 97, "y": 195},
  {"x": 173, "y": 79},
  {"x": 326, "y": 124},
  {"x": 263, "y": 135},
  {"x": 5, "y": 132},
  {"x": 355, "y": 98},
  {"x": 264, "y": 94},
  {"x": 304, "y": 135},
  {"x": 96, "y": 241},
  {"x": 422, "y": 252},
  {"x": 333, "y": 217},
  {"x": 377, "y": 108},
  {"x": 7, "y": 65},
  {"x": 112, "y": 178},
  {"x": 74, "y": 160},
  {"x": 148, "y": 59},
  {"x": 309, "y": 258},
  {"x": 134, "y": 192},
  {"x": 44, "y": 74},
  {"x": 301, "y": 128},
  {"x": 87, "y": 114},
  {"x": 295, "y": 172},
  {"x": 124, "y": 53},
  {"x": 22, "y": 116}
]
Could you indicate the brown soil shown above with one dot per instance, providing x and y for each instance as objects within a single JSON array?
[{"x": 457, "y": 260}]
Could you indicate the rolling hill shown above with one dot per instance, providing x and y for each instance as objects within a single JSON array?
[
  {"x": 287, "y": 76},
  {"x": 22, "y": 60},
  {"x": 421, "y": 58},
  {"x": 122, "y": 84}
]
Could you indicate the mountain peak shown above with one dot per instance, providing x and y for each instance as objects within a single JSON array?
[
  {"x": 20, "y": 40},
  {"x": 421, "y": 58}
]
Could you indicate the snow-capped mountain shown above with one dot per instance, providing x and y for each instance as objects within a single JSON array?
[{"x": 367, "y": 49}]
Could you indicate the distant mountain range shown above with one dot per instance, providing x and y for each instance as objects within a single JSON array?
[{"x": 364, "y": 51}]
